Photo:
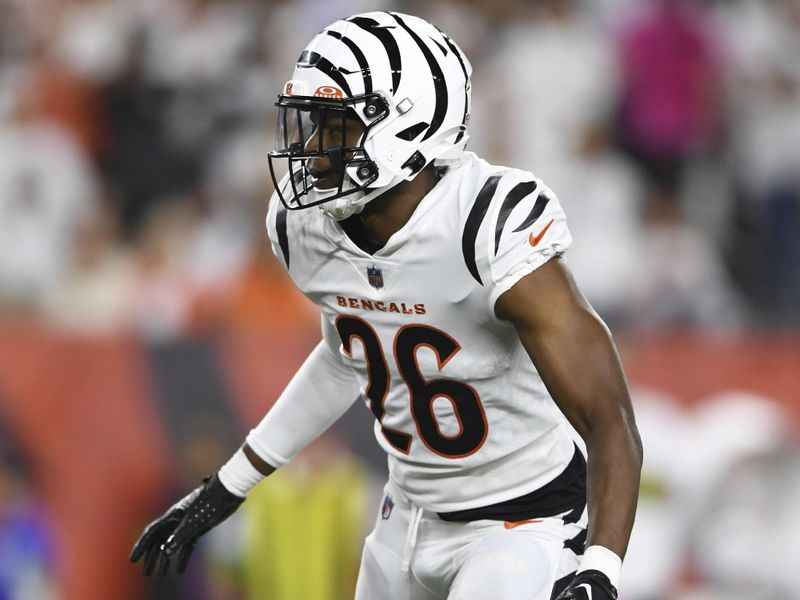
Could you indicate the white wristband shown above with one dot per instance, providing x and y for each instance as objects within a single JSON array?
[
  {"x": 238, "y": 475},
  {"x": 600, "y": 558}
]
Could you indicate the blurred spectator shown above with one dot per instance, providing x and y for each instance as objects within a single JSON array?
[
  {"x": 161, "y": 296},
  {"x": 670, "y": 107},
  {"x": 218, "y": 244},
  {"x": 474, "y": 25},
  {"x": 92, "y": 295},
  {"x": 93, "y": 38},
  {"x": 27, "y": 540},
  {"x": 195, "y": 50},
  {"x": 747, "y": 486},
  {"x": 611, "y": 12},
  {"x": 263, "y": 299},
  {"x": 765, "y": 100},
  {"x": 552, "y": 76},
  {"x": 46, "y": 188},
  {"x": 198, "y": 43},
  {"x": 656, "y": 555},
  {"x": 601, "y": 193},
  {"x": 748, "y": 547},
  {"x": 67, "y": 99},
  {"x": 680, "y": 279},
  {"x": 230, "y": 205},
  {"x": 305, "y": 528},
  {"x": 240, "y": 283},
  {"x": 143, "y": 166},
  {"x": 699, "y": 493}
]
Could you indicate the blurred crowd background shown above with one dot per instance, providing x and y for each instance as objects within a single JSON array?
[{"x": 145, "y": 325}]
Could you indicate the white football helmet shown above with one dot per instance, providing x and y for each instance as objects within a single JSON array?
[{"x": 406, "y": 82}]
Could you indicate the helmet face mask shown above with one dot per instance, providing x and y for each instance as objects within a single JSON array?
[
  {"x": 320, "y": 141},
  {"x": 373, "y": 100}
]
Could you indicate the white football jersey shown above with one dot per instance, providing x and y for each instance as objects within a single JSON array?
[{"x": 460, "y": 409}]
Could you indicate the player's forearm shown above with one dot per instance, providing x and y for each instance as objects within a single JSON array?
[
  {"x": 614, "y": 465},
  {"x": 320, "y": 392},
  {"x": 604, "y": 414}
]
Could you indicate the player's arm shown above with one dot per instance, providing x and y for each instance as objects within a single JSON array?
[
  {"x": 577, "y": 360},
  {"x": 319, "y": 393}
]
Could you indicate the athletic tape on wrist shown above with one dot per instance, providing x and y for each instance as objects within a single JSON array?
[
  {"x": 238, "y": 475},
  {"x": 604, "y": 560}
]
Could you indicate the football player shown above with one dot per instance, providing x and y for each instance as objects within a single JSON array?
[{"x": 448, "y": 310}]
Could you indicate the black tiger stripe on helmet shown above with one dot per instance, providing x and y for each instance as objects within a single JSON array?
[
  {"x": 366, "y": 72},
  {"x": 439, "y": 84},
  {"x": 389, "y": 44}
]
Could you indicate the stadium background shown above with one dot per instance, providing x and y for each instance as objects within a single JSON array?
[{"x": 145, "y": 325}]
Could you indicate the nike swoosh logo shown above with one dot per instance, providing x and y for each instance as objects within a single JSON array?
[
  {"x": 535, "y": 239},
  {"x": 512, "y": 524}
]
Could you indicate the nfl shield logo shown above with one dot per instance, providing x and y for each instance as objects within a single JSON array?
[
  {"x": 375, "y": 277},
  {"x": 388, "y": 505}
]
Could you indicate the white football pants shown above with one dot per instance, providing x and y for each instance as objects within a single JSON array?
[{"x": 412, "y": 554}]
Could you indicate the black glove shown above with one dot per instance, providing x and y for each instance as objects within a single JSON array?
[
  {"x": 174, "y": 534},
  {"x": 589, "y": 585}
]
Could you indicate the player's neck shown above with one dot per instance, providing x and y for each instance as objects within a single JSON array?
[{"x": 387, "y": 213}]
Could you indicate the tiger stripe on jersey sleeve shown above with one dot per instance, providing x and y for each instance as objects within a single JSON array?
[
  {"x": 475, "y": 219},
  {"x": 536, "y": 212},
  {"x": 514, "y": 197},
  {"x": 530, "y": 228}
]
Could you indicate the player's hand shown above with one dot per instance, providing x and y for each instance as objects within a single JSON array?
[
  {"x": 589, "y": 585},
  {"x": 171, "y": 538}
]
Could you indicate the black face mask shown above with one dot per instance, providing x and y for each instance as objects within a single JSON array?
[{"x": 313, "y": 131}]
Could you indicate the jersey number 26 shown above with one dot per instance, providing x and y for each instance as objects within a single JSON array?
[{"x": 464, "y": 399}]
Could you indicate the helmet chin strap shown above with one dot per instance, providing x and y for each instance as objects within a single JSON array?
[{"x": 352, "y": 204}]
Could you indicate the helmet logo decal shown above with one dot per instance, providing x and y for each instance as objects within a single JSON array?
[{"x": 328, "y": 91}]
